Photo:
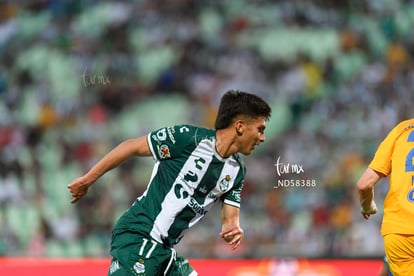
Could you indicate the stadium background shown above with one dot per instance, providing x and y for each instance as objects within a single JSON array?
[{"x": 77, "y": 77}]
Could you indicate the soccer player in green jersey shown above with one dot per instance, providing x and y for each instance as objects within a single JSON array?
[{"x": 194, "y": 167}]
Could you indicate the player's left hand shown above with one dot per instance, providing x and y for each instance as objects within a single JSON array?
[{"x": 234, "y": 235}]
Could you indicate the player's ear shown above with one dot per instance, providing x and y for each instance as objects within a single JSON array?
[{"x": 239, "y": 126}]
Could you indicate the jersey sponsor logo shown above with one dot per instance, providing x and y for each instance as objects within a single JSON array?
[
  {"x": 162, "y": 134},
  {"x": 164, "y": 151},
  {"x": 190, "y": 176},
  {"x": 180, "y": 192},
  {"x": 171, "y": 132},
  {"x": 155, "y": 138},
  {"x": 199, "y": 160},
  {"x": 224, "y": 184},
  {"x": 196, "y": 207}
]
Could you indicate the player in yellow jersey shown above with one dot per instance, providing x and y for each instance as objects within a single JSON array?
[{"x": 395, "y": 158}]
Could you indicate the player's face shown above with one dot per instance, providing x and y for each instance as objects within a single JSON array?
[{"x": 252, "y": 134}]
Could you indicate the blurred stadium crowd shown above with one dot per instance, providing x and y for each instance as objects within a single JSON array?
[{"x": 77, "y": 77}]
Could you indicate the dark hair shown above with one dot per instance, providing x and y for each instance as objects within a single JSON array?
[{"x": 235, "y": 103}]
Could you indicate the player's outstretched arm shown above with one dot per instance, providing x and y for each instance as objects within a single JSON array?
[
  {"x": 365, "y": 186},
  {"x": 231, "y": 231},
  {"x": 138, "y": 147}
]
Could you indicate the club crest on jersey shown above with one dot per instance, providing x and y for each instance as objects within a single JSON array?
[
  {"x": 224, "y": 183},
  {"x": 139, "y": 266},
  {"x": 164, "y": 151}
]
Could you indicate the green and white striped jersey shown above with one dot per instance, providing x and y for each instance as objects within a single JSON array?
[{"x": 188, "y": 178}]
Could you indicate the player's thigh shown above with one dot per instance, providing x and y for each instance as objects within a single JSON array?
[
  {"x": 400, "y": 253},
  {"x": 138, "y": 256},
  {"x": 153, "y": 266},
  {"x": 117, "y": 269},
  {"x": 181, "y": 267},
  {"x": 140, "y": 268}
]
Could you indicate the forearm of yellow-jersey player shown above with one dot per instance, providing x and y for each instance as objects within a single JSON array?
[
  {"x": 365, "y": 186},
  {"x": 230, "y": 221},
  {"x": 126, "y": 149}
]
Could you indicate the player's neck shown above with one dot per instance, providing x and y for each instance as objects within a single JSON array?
[{"x": 225, "y": 146}]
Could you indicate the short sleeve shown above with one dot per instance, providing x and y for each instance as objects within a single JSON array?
[
  {"x": 169, "y": 142},
  {"x": 233, "y": 197}
]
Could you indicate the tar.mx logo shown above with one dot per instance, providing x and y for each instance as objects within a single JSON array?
[
  {"x": 294, "y": 170},
  {"x": 94, "y": 79},
  {"x": 287, "y": 168}
]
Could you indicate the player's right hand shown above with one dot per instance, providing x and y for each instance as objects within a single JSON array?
[
  {"x": 233, "y": 236},
  {"x": 78, "y": 188},
  {"x": 368, "y": 212}
]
